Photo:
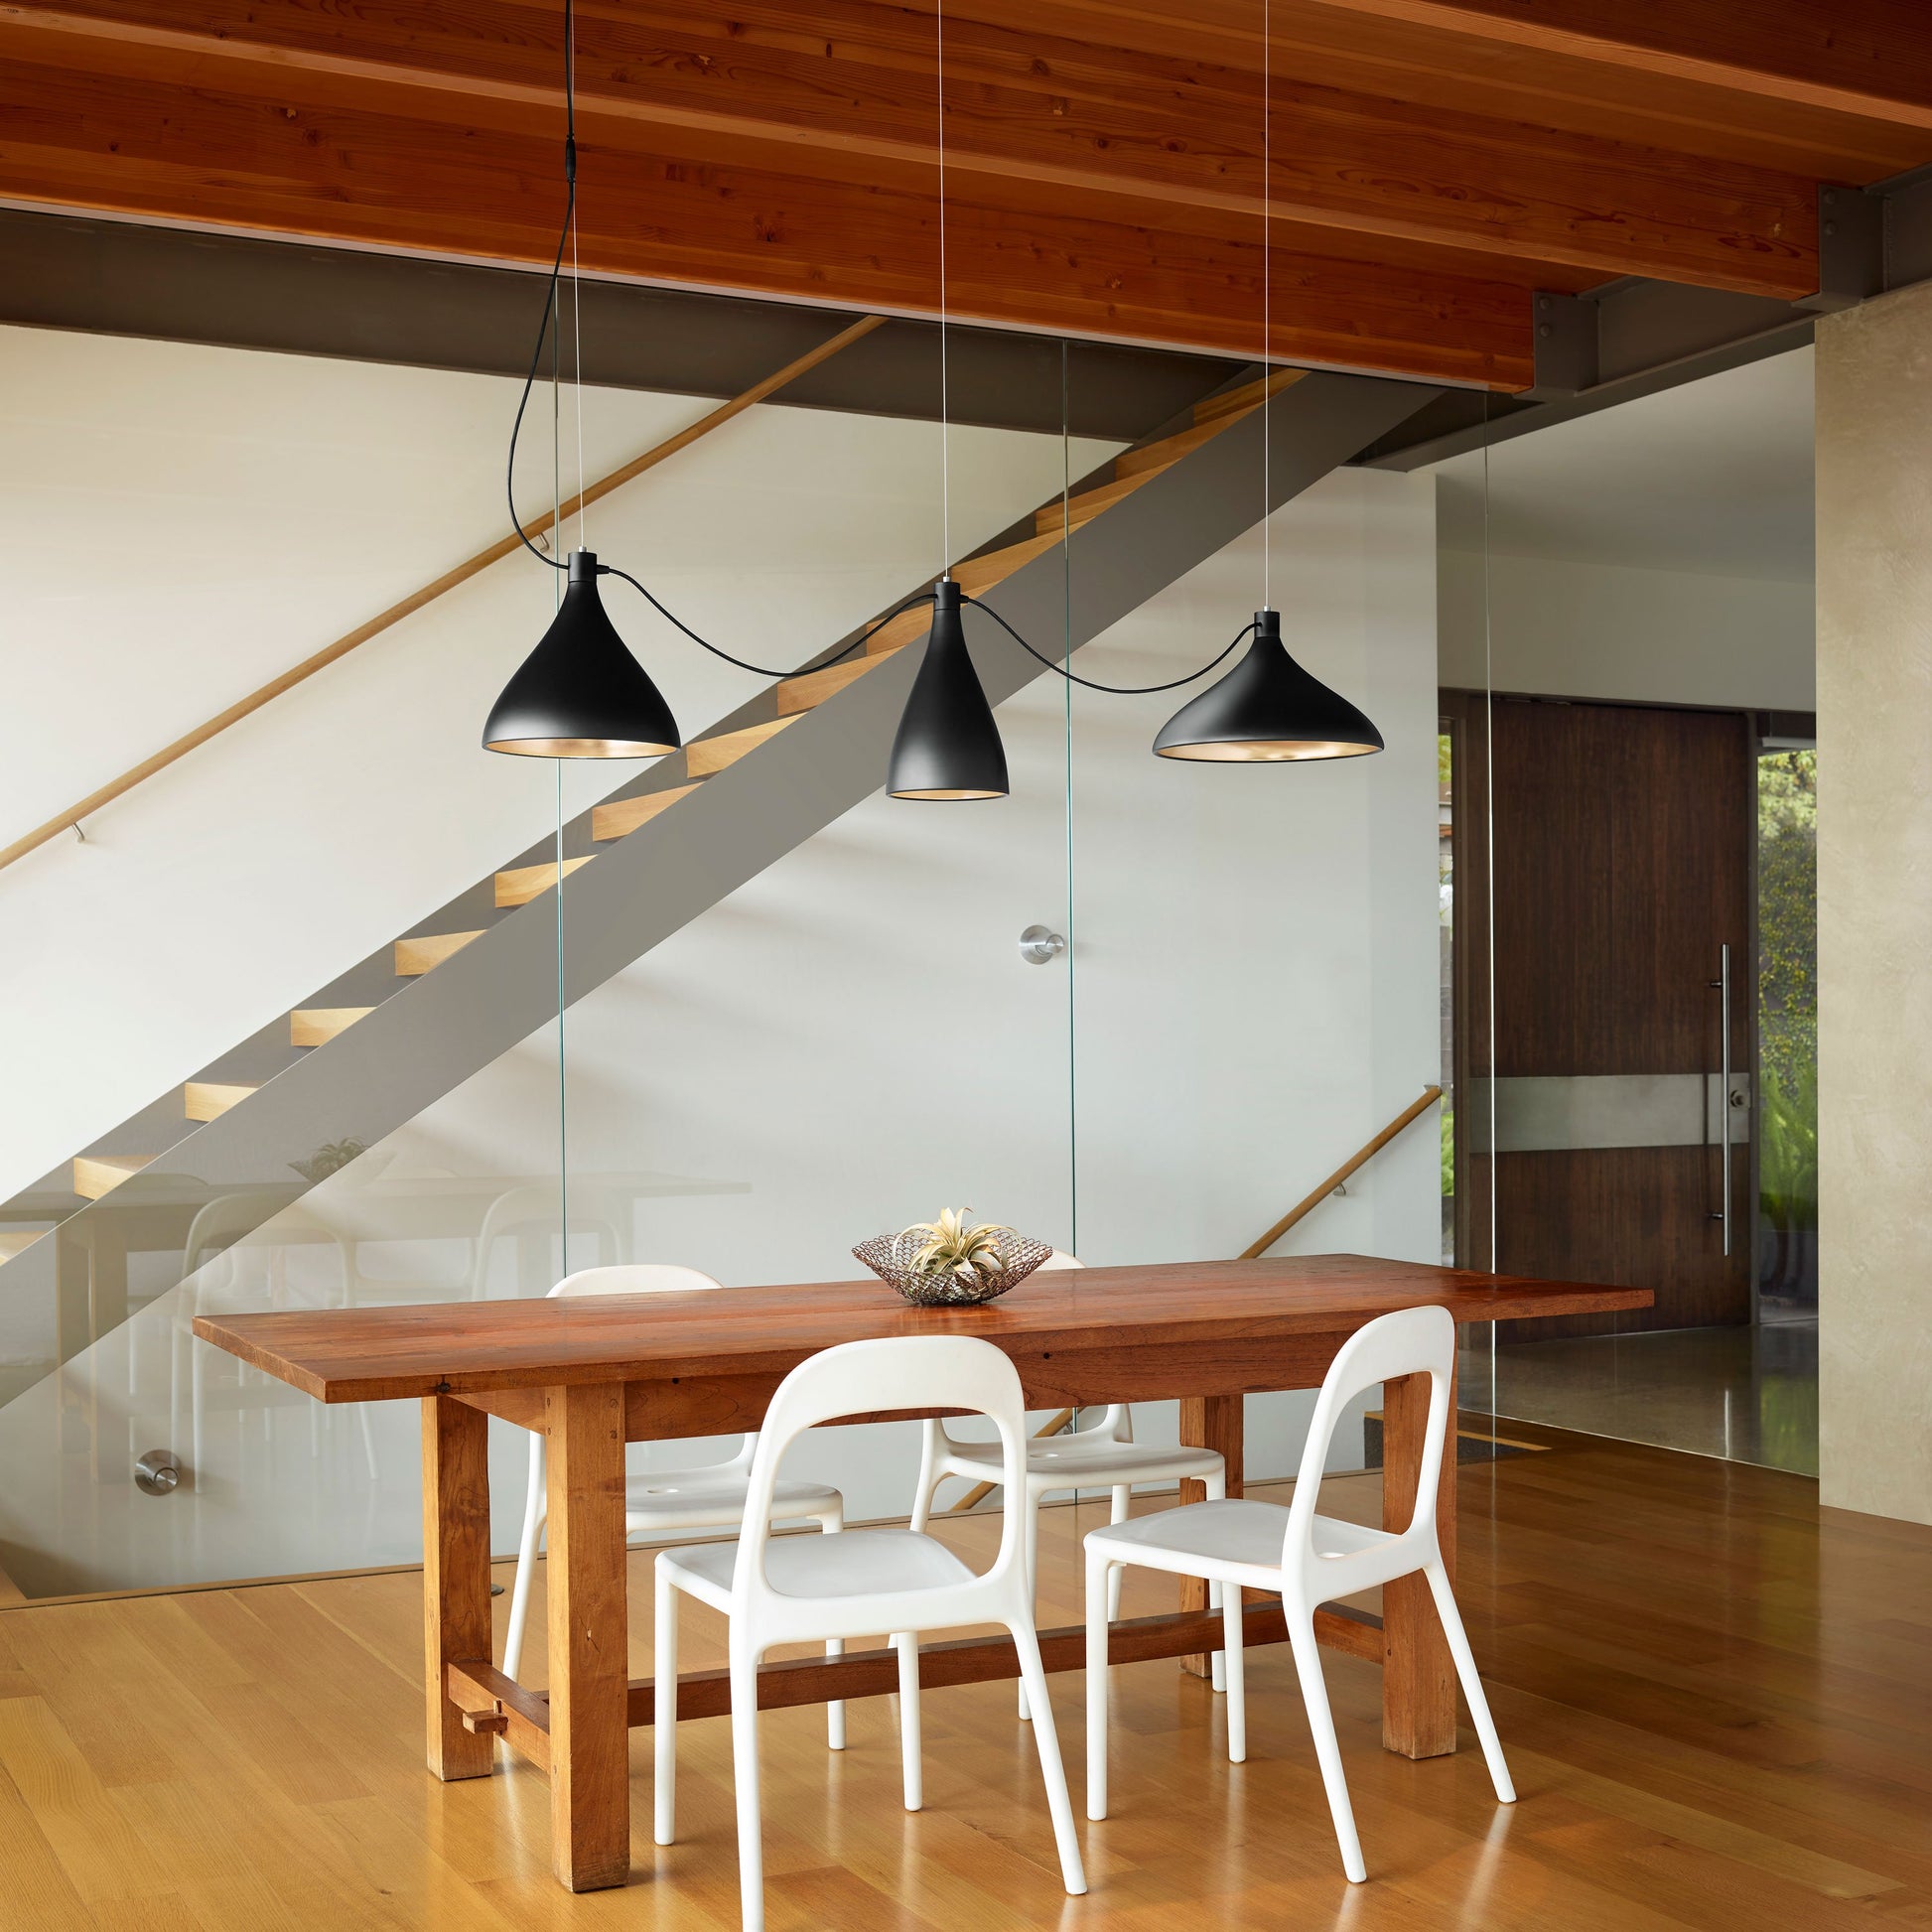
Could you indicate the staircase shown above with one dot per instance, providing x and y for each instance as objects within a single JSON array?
[{"x": 386, "y": 1039}]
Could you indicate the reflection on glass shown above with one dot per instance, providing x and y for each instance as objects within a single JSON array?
[
  {"x": 1445, "y": 916},
  {"x": 1787, "y": 1025}
]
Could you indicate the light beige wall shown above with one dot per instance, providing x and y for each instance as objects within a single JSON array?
[
  {"x": 1564, "y": 626},
  {"x": 1875, "y": 905}
]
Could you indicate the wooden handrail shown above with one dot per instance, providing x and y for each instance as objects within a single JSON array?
[
  {"x": 94, "y": 800},
  {"x": 1412, "y": 1112}
]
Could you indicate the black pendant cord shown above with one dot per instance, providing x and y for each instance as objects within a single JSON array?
[
  {"x": 759, "y": 670},
  {"x": 1115, "y": 690}
]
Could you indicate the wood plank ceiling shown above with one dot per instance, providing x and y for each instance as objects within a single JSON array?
[{"x": 1433, "y": 161}]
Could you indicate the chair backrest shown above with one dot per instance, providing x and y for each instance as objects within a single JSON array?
[
  {"x": 1408, "y": 1341},
  {"x": 1115, "y": 1420},
  {"x": 636, "y": 1278},
  {"x": 650, "y": 1278},
  {"x": 540, "y": 1204},
  {"x": 229, "y": 1219},
  {"x": 859, "y": 1377}
]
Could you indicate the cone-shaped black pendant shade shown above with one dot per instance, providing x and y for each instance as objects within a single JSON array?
[
  {"x": 1267, "y": 709},
  {"x": 949, "y": 746},
  {"x": 580, "y": 694}
]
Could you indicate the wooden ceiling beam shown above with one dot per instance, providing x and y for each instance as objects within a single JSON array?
[
  {"x": 1869, "y": 57},
  {"x": 1123, "y": 133},
  {"x": 1502, "y": 78},
  {"x": 208, "y": 157}
]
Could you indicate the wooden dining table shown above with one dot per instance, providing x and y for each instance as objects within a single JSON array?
[{"x": 593, "y": 1373}]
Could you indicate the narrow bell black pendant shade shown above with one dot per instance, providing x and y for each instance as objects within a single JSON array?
[
  {"x": 580, "y": 694},
  {"x": 1267, "y": 709},
  {"x": 949, "y": 746}
]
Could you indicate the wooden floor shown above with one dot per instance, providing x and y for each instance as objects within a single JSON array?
[{"x": 1716, "y": 1699}]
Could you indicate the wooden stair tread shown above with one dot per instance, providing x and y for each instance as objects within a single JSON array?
[
  {"x": 318, "y": 1025},
  {"x": 979, "y": 574},
  {"x": 415, "y": 956},
  {"x": 1051, "y": 519},
  {"x": 210, "y": 1099},
  {"x": 95, "y": 1175},
  {"x": 521, "y": 884},
  {"x": 798, "y": 694},
  {"x": 1170, "y": 449},
  {"x": 900, "y": 632},
  {"x": 14, "y": 1241},
  {"x": 624, "y": 815},
  {"x": 1237, "y": 402},
  {"x": 705, "y": 756}
]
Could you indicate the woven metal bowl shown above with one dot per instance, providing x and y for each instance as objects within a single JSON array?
[{"x": 890, "y": 1258}]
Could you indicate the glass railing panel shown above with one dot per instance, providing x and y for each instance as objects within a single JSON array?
[{"x": 839, "y": 1036}]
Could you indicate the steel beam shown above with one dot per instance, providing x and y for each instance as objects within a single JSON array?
[{"x": 1632, "y": 339}]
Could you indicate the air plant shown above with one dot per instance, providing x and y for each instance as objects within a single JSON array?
[{"x": 971, "y": 1255}]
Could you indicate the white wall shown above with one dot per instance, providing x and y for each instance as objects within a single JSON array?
[
  {"x": 1563, "y": 626},
  {"x": 852, "y": 1041},
  {"x": 179, "y": 524}
]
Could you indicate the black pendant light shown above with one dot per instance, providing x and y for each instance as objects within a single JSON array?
[
  {"x": 580, "y": 694},
  {"x": 1268, "y": 709},
  {"x": 947, "y": 746}
]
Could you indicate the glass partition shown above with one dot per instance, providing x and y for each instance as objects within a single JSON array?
[
  {"x": 802, "y": 1018},
  {"x": 1630, "y": 981}
]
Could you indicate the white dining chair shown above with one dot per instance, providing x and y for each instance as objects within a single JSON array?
[
  {"x": 662, "y": 1504},
  {"x": 263, "y": 1227},
  {"x": 807, "y": 1589},
  {"x": 1104, "y": 1455},
  {"x": 536, "y": 1209},
  {"x": 1309, "y": 1559}
]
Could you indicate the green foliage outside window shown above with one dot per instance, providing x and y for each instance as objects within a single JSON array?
[{"x": 1787, "y": 967}]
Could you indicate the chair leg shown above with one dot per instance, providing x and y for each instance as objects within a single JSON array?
[
  {"x": 526, "y": 1562},
  {"x": 664, "y": 1670},
  {"x": 906, "y": 1643},
  {"x": 829, "y": 1524},
  {"x": 744, "y": 1776},
  {"x": 1234, "y": 1636},
  {"x": 1100, "y": 1583},
  {"x": 1030, "y": 1559},
  {"x": 1217, "y": 1490},
  {"x": 1328, "y": 1749},
  {"x": 1046, "y": 1742},
  {"x": 1122, "y": 1496},
  {"x": 1472, "y": 1691}
]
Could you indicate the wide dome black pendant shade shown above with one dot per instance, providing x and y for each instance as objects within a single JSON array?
[
  {"x": 1267, "y": 709},
  {"x": 949, "y": 746},
  {"x": 580, "y": 694}
]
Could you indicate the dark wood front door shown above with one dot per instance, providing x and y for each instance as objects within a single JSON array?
[{"x": 1591, "y": 1067}]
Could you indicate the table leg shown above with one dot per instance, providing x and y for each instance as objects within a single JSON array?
[
  {"x": 1213, "y": 1422},
  {"x": 73, "y": 1285},
  {"x": 1418, "y": 1675},
  {"x": 590, "y": 1721},
  {"x": 106, "y": 1274},
  {"x": 456, "y": 1573}
]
